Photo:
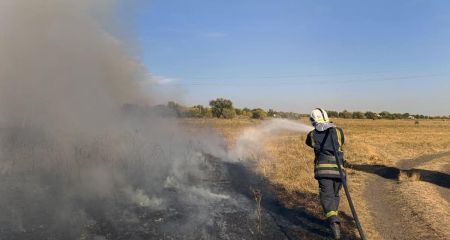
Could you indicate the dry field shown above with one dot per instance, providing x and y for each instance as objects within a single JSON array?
[{"x": 392, "y": 204}]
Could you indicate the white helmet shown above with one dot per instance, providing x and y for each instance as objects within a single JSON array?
[{"x": 319, "y": 115}]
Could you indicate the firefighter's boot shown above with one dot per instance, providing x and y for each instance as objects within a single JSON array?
[{"x": 336, "y": 230}]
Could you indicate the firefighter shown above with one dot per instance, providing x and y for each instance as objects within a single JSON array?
[{"x": 325, "y": 166}]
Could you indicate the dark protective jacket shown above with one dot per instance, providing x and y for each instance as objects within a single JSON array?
[{"x": 325, "y": 165}]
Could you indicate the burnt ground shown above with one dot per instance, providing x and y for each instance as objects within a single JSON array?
[
  {"x": 250, "y": 210},
  {"x": 300, "y": 222},
  {"x": 391, "y": 218}
]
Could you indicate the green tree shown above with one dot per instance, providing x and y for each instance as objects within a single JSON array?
[
  {"x": 370, "y": 115},
  {"x": 204, "y": 111},
  {"x": 386, "y": 115},
  {"x": 195, "y": 112},
  {"x": 258, "y": 113},
  {"x": 358, "y": 115},
  {"x": 219, "y": 105},
  {"x": 345, "y": 114},
  {"x": 396, "y": 116},
  {"x": 333, "y": 114}
]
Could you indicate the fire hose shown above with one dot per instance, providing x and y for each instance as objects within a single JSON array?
[{"x": 347, "y": 193}]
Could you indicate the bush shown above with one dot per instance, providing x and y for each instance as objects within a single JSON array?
[
  {"x": 258, "y": 113},
  {"x": 195, "y": 112},
  {"x": 228, "y": 113}
]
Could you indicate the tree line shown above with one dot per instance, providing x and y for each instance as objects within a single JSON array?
[
  {"x": 381, "y": 115},
  {"x": 223, "y": 108}
]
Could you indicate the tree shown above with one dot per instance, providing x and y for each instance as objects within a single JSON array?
[
  {"x": 204, "y": 111},
  {"x": 386, "y": 114},
  {"x": 258, "y": 113},
  {"x": 396, "y": 116},
  {"x": 345, "y": 114},
  {"x": 219, "y": 105},
  {"x": 370, "y": 115},
  {"x": 194, "y": 112},
  {"x": 333, "y": 114},
  {"x": 358, "y": 115}
]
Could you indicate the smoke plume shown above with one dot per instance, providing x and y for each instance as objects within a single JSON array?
[{"x": 72, "y": 164}]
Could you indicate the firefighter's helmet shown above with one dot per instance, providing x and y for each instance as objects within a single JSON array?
[{"x": 319, "y": 115}]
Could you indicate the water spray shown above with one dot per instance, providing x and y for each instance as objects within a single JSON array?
[{"x": 252, "y": 140}]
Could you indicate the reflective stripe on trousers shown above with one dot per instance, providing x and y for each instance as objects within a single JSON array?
[{"x": 331, "y": 214}]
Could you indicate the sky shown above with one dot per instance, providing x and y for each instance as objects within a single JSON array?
[{"x": 295, "y": 55}]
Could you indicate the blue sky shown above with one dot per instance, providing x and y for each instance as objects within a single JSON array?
[{"x": 297, "y": 55}]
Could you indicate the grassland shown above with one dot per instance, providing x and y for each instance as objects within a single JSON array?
[{"x": 382, "y": 144}]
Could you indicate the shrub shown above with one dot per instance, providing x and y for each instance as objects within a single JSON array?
[
  {"x": 258, "y": 113},
  {"x": 195, "y": 112},
  {"x": 229, "y": 113}
]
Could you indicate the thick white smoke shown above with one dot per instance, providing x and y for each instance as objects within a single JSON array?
[
  {"x": 73, "y": 164},
  {"x": 60, "y": 69}
]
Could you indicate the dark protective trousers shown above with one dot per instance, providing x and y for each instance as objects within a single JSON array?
[{"x": 329, "y": 197}]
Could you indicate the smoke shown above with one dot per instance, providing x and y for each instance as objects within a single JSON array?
[
  {"x": 251, "y": 142},
  {"x": 72, "y": 164},
  {"x": 60, "y": 69}
]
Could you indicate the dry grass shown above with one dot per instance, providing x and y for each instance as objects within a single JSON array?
[
  {"x": 427, "y": 201},
  {"x": 429, "y": 208},
  {"x": 409, "y": 176},
  {"x": 288, "y": 163}
]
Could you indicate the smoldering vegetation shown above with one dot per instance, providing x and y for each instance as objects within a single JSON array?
[
  {"x": 79, "y": 187},
  {"x": 73, "y": 164}
]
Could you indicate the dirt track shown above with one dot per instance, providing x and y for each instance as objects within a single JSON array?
[{"x": 392, "y": 217}]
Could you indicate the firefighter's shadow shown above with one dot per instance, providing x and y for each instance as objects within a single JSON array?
[
  {"x": 295, "y": 223},
  {"x": 394, "y": 173}
]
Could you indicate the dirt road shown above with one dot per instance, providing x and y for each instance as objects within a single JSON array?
[{"x": 392, "y": 216}]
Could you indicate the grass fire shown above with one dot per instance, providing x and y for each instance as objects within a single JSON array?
[{"x": 103, "y": 135}]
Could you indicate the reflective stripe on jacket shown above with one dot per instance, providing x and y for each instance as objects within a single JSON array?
[{"x": 325, "y": 165}]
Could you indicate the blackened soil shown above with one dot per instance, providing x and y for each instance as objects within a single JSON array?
[{"x": 228, "y": 201}]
